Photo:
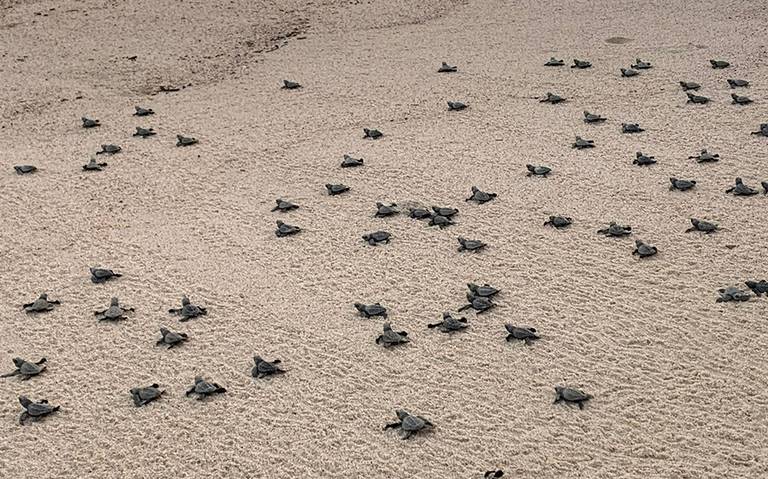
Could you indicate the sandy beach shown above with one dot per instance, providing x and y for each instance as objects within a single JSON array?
[{"x": 679, "y": 381}]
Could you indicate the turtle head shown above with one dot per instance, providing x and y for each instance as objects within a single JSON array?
[
  {"x": 199, "y": 379},
  {"x": 360, "y": 306},
  {"x": 43, "y": 295},
  {"x": 184, "y": 300},
  {"x": 164, "y": 331},
  {"x": 379, "y": 204},
  {"x": 25, "y": 401},
  {"x": 531, "y": 167},
  {"x": 154, "y": 385},
  {"x": 279, "y": 223},
  {"x": 366, "y": 237},
  {"x": 462, "y": 240},
  {"x": 738, "y": 181},
  {"x": 258, "y": 359},
  {"x": 402, "y": 414},
  {"x": 750, "y": 284},
  {"x": 387, "y": 326},
  {"x": 638, "y": 243},
  {"x": 694, "y": 221},
  {"x": 473, "y": 286},
  {"x": 18, "y": 362},
  {"x": 672, "y": 180},
  {"x": 446, "y": 314},
  {"x": 179, "y": 137},
  {"x": 114, "y": 301}
]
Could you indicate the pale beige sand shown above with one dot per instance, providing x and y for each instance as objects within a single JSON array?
[{"x": 679, "y": 381}]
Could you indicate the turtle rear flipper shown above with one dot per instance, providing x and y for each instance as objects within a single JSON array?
[{"x": 24, "y": 416}]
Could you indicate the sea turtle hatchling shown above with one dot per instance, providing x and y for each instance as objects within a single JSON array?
[
  {"x": 203, "y": 388},
  {"x": 144, "y": 132},
  {"x": 558, "y": 221},
  {"x": 446, "y": 211},
  {"x": 554, "y": 62},
  {"x": 740, "y": 189},
  {"x": 552, "y": 98},
  {"x": 377, "y": 237},
  {"x": 629, "y": 72},
  {"x": 631, "y": 128},
  {"x": 470, "y": 245},
  {"x": 114, "y": 312},
  {"x": 100, "y": 275},
  {"x": 372, "y": 133},
  {"x": 762, "y": 131},
  {"x": 336, "y": 189},
  {"x": 689, "y": 85},
  {"x": 703, "y": 226},
  {"x": 420, "y": 213},
  {"x": 581, "y": 143},
  {"x": 482, "y": 290},
  {"x": 480, "y": 196},
  {"x": 682, "y": 185},
  {"x": 456, "y": 106},
  {"x": 392, "y": 338},
  {"x": 740, "y": 100},
  {"x": 480, "y": 304},
  {"x": 284, "y": 229},
  {"x": 593, "y": 118},
  {"x": 382, "y": 210},
  {"x": 495, "y": 474},
  {"x": 109, "y": 149},
  {"x": 284, "y": 205},
  {"x": 735, "y": 83},
  {"x": 693, "y": 98},
  {"x": 371, "y": 310},
  {"x": 41, "y": 304},
  {"x": 643, "y": 160},
  {"x": 528, "y": 335},
  {"x": 644, "y": 250},
  {"x": 757, "y": 287},
  {"x": 182, "y": 140},
  {"x": 616, "y": 230},
  {"x": 719, "y": 64},
  {"x": 263, "y": 368},
  {"x": 89, "y": 123},
  {"x": 440, "y": 221},
  {"x": 705, "y": 157},
  {"x": 94, "y": 165},
  {"x": 446, "y": 68},
  {"x": 143, "y": 111},
  {"x": 188, "y": 310},
  {"x": 349, "y": 162},
  {"x": 641, "y": 65},
  {"x": 290, "y": 85},
  {"x": 409, "y": 424},
  {"x": 145, "y": 395},
  {"x": 732, "y": 293},
  {"x": 764, "y": 184},
  {"x": 538, "y": 170},
  {"x": 24, "y": 169},
  {"x": 26, "y": 369},
  {"x": 35, "y": 410},
  {"x": 449, "y": 324},
  {"x": 572, "y": 396},
  {"x": 170, "y": 338},
  {"x": 581, "y": 64}
]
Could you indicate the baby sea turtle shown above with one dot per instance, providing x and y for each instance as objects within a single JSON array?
[
  {"x": 371, "y": 310},
  {"x": 615, "y": 229},
  {"x": 581, "y": 143},
  {"x": 144, "y": 132},
  {"x": 757, "y": 287},
  {"x": 263, "y": 368},
  {"x": 449, "y": 324},
  {"x": 740, "y": 189},
  {"x": 171, "y": 338},
  {"x": 732, "y": 293},
  {"x": 94, "y": 165},
  {"x": 705, "y": 157},
  {"x": 573, "y": 396},
  {"x": 558, "y": 221},
  {"x": 409, "y": 424},
  {"x": 35, "y": 410},
  {"x": 701, "y": 225},
  {"x": 628, "y": 72},
  {"x": 456, "y": 106},
  {"x": 109, "y": 150},
  {"x": 470, "y": 245},
  {"x": 689, "y": 85},
  {"x": 100, "y": 275},
  {"x": 641, "y": 65},
  {"x": 763, "y": 131},
  {"x": 349, "y": 162},
  {"x": 538, "y": 170},
  {"x": 182, "y": 140},
  {"x": 737, "y": 83},
  {"x": 377, "y": 237},
  {"x": 88, "y": 123},
  {"x": 740, "y": 100},
  {"x": 495, "y": 474},
  {"x": 145, "y": 395},
  {"x": 644, "y": 250},
  {"x": 764, "y": 184},
  {"x": 631, "y": 128},
  {"x": 420, "y": 213},
  {"x": 284, "y": 229},
  {"x": 719, "y": 64},
  {"x": 446, "y": 211},
  {"x": 521, "y": 333},
  {"x": 26, "y": 369},
  {"x": 144, "y": 111},
  {"x": 290, "y": 85},
  {"x": 440, "y": 221},
  {"x": 554, "y": 62},
  {"x": 480, "y": 196},
  {"x": 41, "y": 304},
  {"x": 188, "y": 310},
  {"x": 483, "y": 291},
  {"x": 446, "y": 68},
  {"x": 284, "y": 205},
  {"x": 392, "y": 338},
  {"x": 643, "y": 160},
  {"x": 372, "y": 133},
  {"x": 681, "y": 185},
  {"x": 336, "y": 189},
  {"x": 693, "y": 98},
  {"x": 580, "y": 64},
  {"x": 592, "y": 118},
  {"x": 24, "y": 169},
  {"x": 114, "y": 312},
  {"x": 382, "y": 210},
  {"x": 203, "y": 388},
  {"x": 480, "y": 304},
  {"x": 552, "y": 98}
]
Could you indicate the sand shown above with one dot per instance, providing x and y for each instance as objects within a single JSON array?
[{"x": 678, "y": 380}]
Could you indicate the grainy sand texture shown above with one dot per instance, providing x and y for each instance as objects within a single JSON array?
[{"x": 679, "y": 381}]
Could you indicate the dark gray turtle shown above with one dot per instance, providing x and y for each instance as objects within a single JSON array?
[
  {"x": 392, "y": 338},
  {"x": 701, "y": 225},
  {"x": 24, "y": 169},
  {"x": 483, "y": 291},
  {"x": 554, "y": 62},
  {"x": 204, "y": 389},
  {"x": 449, "y": 324},
  {"x": 573, "y": 396},
  {"x": 480, "y": 304},
  {"x": 377, "y": 237},
  {"x": 762, "y": 131},
  {"x": 628, "y": 72},
  {"x": 182, "y": 140},
  {"x": 94, "y": 165},
  {"x": 382, "y": 210},
  {"x": 409, "y": 424},
  {"x": 470, "y": 245},
  {"x": 283, "y": 205},
  {"x": 681, "y": 185},
  {"x": 552, "y": 98},
  {"x": 109, "y": 150},
  {"x": 26, "y": 369},
  {"x": 615, "y": 229},
  {"x": 284, "y": 229},
  {"x": 495, "y": 474},
  {"x": 693, "y": 98},
  {"x": 114, "y": 312},
  {"x": 521, "y": 333},
  {"x": 336, "y": 189},
  {"x": 732, "y": 293},
  {"x": 290, "y": 85},
  {"x": 420, "y": 213},
  {"x": 171, "y": 338},
  {"x": 446, "y": 211},
  {"x": 631, "y": 128},
  {"x": 580, "y": 64},
  {"x": 145, "y": 395},
  {"x": 689, "y": 85},
  {"x": 740, "y": 189},
  {"x": 88, "y": 123},
  {"x": 705, "y": 157},
  {"x": 581, "y": 143},
  {"x": 188, "y": 310},
  {"x": 440, "y": 221},
  {"x": 719, "y": 64},
  {"x": 456, "y": 106},
  {"x": 644, "y": 250},
  {"x": 41, "y": 304},
  {"x": 643, "y": 160},
  {"x": 592, "y": 118},
  {"x": 558, "y": 221},
  {"x": 144, "y": 132},
  {"x": 740, "y": 100},
  {"x": 480, "y": 196},
  {"x": 641, "y": 65},
  {"x": 538, "y": 170},
  {"x": 100, "y": 275},
  {"x": 372, "y": 133},
  {"x": 262, "y": 367},
  {"x": 349, "y": 162},
  {"x": 35, "y": 410},
  {"x": 764, "y": 184},
  {"x": 371, "y": 310},
  {"x": 144, "y": 111},
  {"x": 446, "y": 68},
  {"x": 757, "y": 287},
  {"x": 737, "y": 83}
]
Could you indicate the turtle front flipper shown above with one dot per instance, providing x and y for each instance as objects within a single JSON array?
[
  {"x": 24, "y": 416},
  {"x": 191, "y": 391},
  {"x": 435, "y": 325},
  {"x": 393, "y": 425},
  {"x": 174, "y": 311},
  {"x": 11, "y": 374},
  {"x": 465, "y": 307}
]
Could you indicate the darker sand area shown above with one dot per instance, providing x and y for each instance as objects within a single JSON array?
[{"x": 679, "y": 381}]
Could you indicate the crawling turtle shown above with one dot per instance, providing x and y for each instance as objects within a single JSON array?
[
  {"x": 371, "y": 310},
  {"x": 284, "y": 229},
  {"x": 483, "y": 291},
  {"x": 705, "y": 157},
  {"x": 470, "y": 245},
  {"x": 573, "y": 396},
  {"x": 581, "y": 143},
  {"x": 693, "y": 98},
  {"x": 580, "y": 64},
  {"x": 89, "y": 123},
  {"x": 740, "y": 189},
  {"x": 446, "y": 211},
  {"x": 719, "y": 64},
  {"x": 440, "y": 221},
  {"x": 349, "y": 162},
  {"x": 552, "y": 98},
  {"x": 615, "y": 229},
  {"x": 203, "y": 388},
  {"x": 377, "y": 237},
  {"x": 740, "y": 100},
  {"x": 757, "y": 287},
  {"x": 24, "y": 169},
  {"x": 409, "y": 424},
  {"x": 446, "y": 68},
  {"x": 703, "y": 226},
  {"x": 392, "y": 338},
  {"x": 681, "y": 185},
  {"x": 144, "y": 132},
  {"x": 732, "y": 293},
  {"x": 382, "y": 210},
  {"x": 284, "y": 205},
  {"x": 643, "y": 160},
  {"x": 420, "y": 213},
  {"x": 495, "y": 474},
  {"x": 762, "y": 131},
  {"x": 109, "y": 149},
  {"x": 480, "y": 196},
  {"x": 737, "y": 83},
  {"x": 456, "y": 106},
  {"x": 641, "y": 65},
  {"x": 592, "y": 118},
  {"x": 372, "y": 133},
  {"x": 35, "y": 410},
  {"x": 170, "y": 338},
  {"x": 263, "y": 368},
  {"x": 644, "y": 250},
  {"x": 521, "y": 333},
  {"x": 764, "y": 184},
  {"x": 336, "y": 189},
  {"x": 94, "y": 165},
  {"x": 449, "y": 324},
  {"x": 188, "y": 310},
  {"x": 631, "y": 128},
  {"x": 538, "y": 170},
  {"x": 143, "y": 111},
  {"x": 114, "y": 312},
  {"x": 182, "y": 140},
  {"x": 26, "y": 369},
  {"x": 554, "y": 62},
  {"x": 558, "y": 221},
  {"x": 480, "y": 304},
  {"x": 100, "y": 275},
  {"x": 290, "y": 85},
  {"x": 689, "y": 85},
  {"x": 41, "y": 304},
  {"x": 628, "y": 72},
  {"x": 145, "y": 395}
]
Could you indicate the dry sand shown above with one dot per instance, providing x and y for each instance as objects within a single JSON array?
[{"x": 678, "y": 380}]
